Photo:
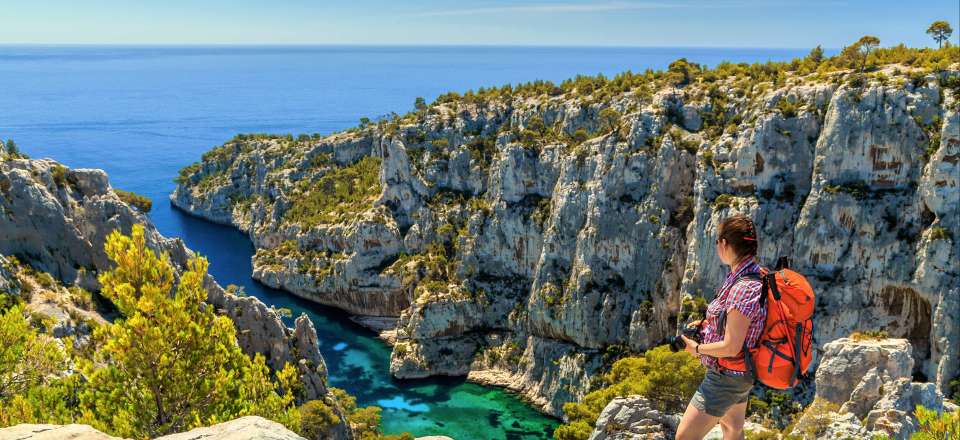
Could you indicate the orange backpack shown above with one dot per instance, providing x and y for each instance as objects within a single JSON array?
[{"x": 785, "y": 348}]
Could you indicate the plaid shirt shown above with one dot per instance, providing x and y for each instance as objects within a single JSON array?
[{"x": 744, "y": 296}]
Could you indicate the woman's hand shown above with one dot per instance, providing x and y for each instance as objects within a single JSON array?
[{"x": 690, "y": 345}]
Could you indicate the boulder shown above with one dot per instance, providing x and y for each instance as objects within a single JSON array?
[
  {"x": 633, "y": 418},
  {"x": 53, "y": 432},
  {"x": 243, "y": 428},
  {"x": 863, "y": 388}
]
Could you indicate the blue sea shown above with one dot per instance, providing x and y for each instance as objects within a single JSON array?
[{"x": 142, "y": 113}]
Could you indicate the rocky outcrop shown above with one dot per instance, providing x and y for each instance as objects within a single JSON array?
[
  {"x": 633, "y": 418},
  {"x": 244, "y": 428},
  {"x": 870, "y": 383},
  {"x": 56, "y": 220},
  {"x": 517, "y": 237},
  {"x": 53, "y": 432}
]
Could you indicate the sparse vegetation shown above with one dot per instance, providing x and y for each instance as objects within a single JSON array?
[
  {"x": 337, "y": 194},
  {"x": 667, "y": 379},
  {"x": 869, "y": 335},
  {"x": 858, "y": 189},
  {"x": 816, "y": 418},
  {"x": 142, "y": 203},
  {"x": 723, "y": 201},
  {"x": 936, "y": 426},
  {"x": 11, "y": 151},
  {"x": 940, "y": 233},
  {"x": 59, "y": 174}
]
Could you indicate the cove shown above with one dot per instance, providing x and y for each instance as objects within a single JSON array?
[
  {"x": 359, "y": 362},
  {"x": 142, "y": 112}
]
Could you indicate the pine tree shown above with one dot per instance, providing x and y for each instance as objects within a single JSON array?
[
  {"x": 170, "y": 364},
  {"x": 940, "y": 31},
  {"x": 27, "y": 358}
]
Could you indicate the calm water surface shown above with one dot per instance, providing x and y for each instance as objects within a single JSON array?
[{"x": 142, "y": 113}]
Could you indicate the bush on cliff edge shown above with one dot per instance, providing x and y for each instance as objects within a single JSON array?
[{"x": 668, "y": 379}]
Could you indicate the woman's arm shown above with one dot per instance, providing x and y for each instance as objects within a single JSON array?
[{"x": 734, "y": 333}]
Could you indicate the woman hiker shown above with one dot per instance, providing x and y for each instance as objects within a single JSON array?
[{"x": 733, "y": 317}]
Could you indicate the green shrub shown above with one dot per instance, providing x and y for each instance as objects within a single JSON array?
[
  {"x": 45, "y": 280},
  {"x": 681, "y": 72},
  {"x": 694, "y": 308},
  {"x": 580, "y": 136},
  {"x": 775, "y": 408},
  {"x": 608, "y": 118},
  {"x": 762, "y": 435},
  {"x": 940, "y": 233},
  {"x": 12, "y": 151},
  {"x": 858, "y": 189},
  {"x": 787, "y": 108},
  {"x": 816, "y": 418},
  {"x": 723, "y": 201},
  {"x": 953, "y": 388},
  {"x": 482, "y": 150},
  {"x": 708, "y": 159},
  {"x": 81, "y": 298},
  {"x": 690, "y": 146},
  {"x": 365, "y": 421},
  {"x": 869, "y": 335},
  {"x": 59, "y": 174},
  {"x": 142, "y": 203},
  {"x": 236, "y": 290},
  {"x": 668, "y": 379},
  {"x": 316, "y": 418},
  {"x": 343, "y": 191},
  {"x": 934, "y": 426},
  {"x": 183, "y": 177}
]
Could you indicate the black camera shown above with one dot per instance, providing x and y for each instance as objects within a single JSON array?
[{"x": 677, "y": 344}]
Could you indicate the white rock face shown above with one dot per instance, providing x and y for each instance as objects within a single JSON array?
[
  {"x": 244, "y": 428},
  {"x": 59, "y": 225},
  {"x": 556, "y": 251},
  {"x": 870, "y": 381},
  {"x": 633, "y": 418},
  {"x": 53, "y": 432}
]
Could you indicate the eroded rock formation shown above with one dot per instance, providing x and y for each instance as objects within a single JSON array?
[
  {"x": 57, "y": 219},
  {"x": 870, "y": 381},
  {"x": 519, "y": 238}
]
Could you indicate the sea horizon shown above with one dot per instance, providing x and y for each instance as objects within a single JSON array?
[{"x": 141, "y": 112}]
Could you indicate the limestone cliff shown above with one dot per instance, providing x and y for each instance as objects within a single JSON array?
[
  {"x": 520, "y": 235},
  {"x": 56, "y": 220}
]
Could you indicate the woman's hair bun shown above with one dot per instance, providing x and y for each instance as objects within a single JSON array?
[{"x": 739, "y": 232}]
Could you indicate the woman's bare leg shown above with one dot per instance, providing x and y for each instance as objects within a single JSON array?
[
  {"x": 695, "y": 424},
  {"x": 732, "y": 422}
]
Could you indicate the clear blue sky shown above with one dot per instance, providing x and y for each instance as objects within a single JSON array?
[{"x": 736, "y": 23}]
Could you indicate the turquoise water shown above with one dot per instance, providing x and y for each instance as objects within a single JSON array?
[{"x": 141, "y": 113}]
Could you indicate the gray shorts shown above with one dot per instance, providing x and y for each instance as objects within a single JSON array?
[{"x": 718, "y": 392}]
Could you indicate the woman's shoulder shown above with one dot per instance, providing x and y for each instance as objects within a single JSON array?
[{"x": 748, "y": 284}]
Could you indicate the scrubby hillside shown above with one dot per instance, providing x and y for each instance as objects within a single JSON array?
[
  {"x": 54, "y": 225},
  {"x": 530, "y": 235}
]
